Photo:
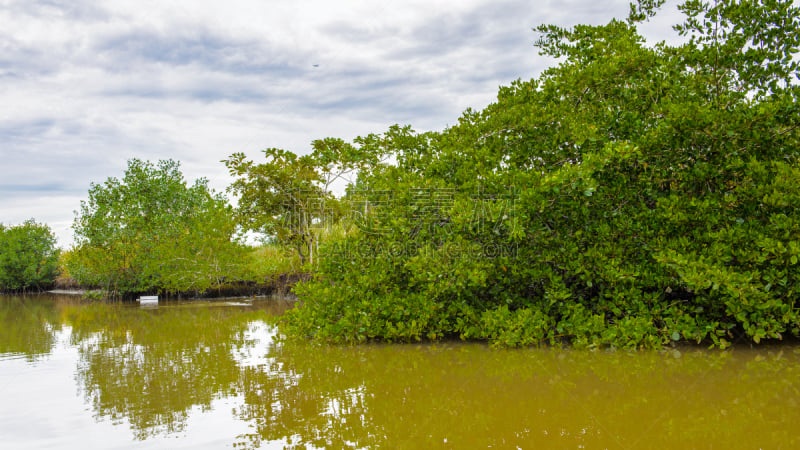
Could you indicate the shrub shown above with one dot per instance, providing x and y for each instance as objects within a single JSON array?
[{"x": 28, "y": 256}]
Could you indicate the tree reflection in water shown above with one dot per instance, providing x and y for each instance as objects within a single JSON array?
[
  {"x": 156, "y": 369},
  {"x": 458, "y": 395},
  {"x": 309, "y": 395},
  {"x": 152, "y": 367},
  {"x": 27, "y": 328}
]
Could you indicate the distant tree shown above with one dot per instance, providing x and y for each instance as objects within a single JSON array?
[
  {"x": 28, "y": 256},
  {"x": 280, "y": 198},
  {"x": 289, "y": 196},
  {"x": 150, "y": 232}
]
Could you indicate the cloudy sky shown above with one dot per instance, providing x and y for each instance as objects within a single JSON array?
[{"x": 86, "y": 85}]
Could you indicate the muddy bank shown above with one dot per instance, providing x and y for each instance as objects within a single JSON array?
[{"x": 278, "y": 286}]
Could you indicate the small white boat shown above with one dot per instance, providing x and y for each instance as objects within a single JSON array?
[{"x": 147, "y": 300}]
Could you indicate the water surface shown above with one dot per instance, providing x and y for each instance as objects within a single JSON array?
[{"x": 211, "y": 375}]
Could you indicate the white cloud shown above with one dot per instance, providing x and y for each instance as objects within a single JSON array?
[{"x": 87, "y": 85}]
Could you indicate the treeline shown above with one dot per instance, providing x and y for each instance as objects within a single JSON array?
[
  {"x": 149, "y": 232},
  {"x": 152, "y": 232},
  {"x": 633, "y": 195}
]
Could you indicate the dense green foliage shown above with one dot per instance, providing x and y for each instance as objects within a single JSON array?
[
  {"x": 28, "y": 257},
  {"x": 631, "y": 196},
  {"x": 150, "y": 232}
]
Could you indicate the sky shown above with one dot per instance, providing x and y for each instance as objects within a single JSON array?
[{"x": 87, "y": 85}]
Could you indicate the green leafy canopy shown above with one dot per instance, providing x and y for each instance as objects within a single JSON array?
[
  {"x": 28, "y": 256},
  {"x": 150, "y": 231},
  {"x": 632, "y": 195}
]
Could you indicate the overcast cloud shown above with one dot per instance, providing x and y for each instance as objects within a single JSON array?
[{"x": 86, "y": 85}]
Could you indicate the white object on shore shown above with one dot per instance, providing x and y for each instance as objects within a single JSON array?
[{"x": 148, "y": 300}]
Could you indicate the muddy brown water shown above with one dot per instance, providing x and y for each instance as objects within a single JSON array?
[{"x": 212, "y": 375}]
